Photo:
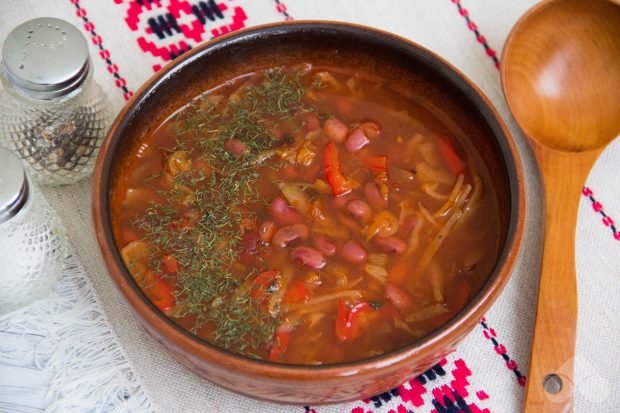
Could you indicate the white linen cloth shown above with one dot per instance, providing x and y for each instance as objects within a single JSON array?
[{"x": 485, "y": 373}]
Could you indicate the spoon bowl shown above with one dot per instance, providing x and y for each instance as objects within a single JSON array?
[
  {"x": 561, "y": 78},
  {"x": 560, "y": 73}
]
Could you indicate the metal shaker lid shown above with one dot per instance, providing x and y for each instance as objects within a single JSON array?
[
  {"x": 45, "y": 58},
  {"x": 13, "y": 185}
]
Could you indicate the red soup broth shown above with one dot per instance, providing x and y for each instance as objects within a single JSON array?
[{"x": 307, "y": 215}]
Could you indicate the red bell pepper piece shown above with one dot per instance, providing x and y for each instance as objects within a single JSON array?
[
  {"x": 348, "y": 326},
  {"x": 129, "y": 234},
  {"x": 376, "y": 164},
  {"x": 158, "y": 291},
  {"x": 262, "y": 282},
  {"x": 331, "y": 168},
  {"x": 450, "y": 156},
  {"x": 279, "y": 346},
  {"x": 459, "y": 295},
  {"x": 296, "y": 292},
  {"x": 171, "y": 264}
]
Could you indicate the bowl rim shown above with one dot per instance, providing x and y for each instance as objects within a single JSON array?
[{"x": 200, "y": 348}]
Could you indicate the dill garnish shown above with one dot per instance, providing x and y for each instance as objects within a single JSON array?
[{"x": 200, "y": 221}]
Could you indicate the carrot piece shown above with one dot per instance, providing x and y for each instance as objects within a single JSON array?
[
  {"x": 171, "y": 264},
  {"x": 331, "y": 168},
  {"x": 383, "y": 224},
  {"x": 399, "y": 272},
  {"x": 450, "y": 156}
]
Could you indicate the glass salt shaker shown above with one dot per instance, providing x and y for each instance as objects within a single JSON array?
[
  {"x": 33, "y": 244},
  {"x": 53, "y": 115}
]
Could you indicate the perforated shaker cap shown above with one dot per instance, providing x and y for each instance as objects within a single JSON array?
[
  {"x": 13, "y": 185},
  {"x": 45, "y": 58}
]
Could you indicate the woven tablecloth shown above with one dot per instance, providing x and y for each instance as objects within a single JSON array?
[{"x": 131, "y": 39}]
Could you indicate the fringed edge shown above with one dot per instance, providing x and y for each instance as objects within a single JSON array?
[{"x": 91, "y": 372}]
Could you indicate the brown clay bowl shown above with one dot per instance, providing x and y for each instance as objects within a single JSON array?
[{"x": 405, "y": 64}]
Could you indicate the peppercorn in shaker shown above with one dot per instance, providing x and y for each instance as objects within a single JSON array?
[
  {"x": 53, "y": 115},
  {"x": 33, "y": 244}
]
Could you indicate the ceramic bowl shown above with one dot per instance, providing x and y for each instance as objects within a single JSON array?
[{"x": 406, "y": 65}]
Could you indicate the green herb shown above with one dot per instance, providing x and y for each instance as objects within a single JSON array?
[{"x": 205, "y": 238}]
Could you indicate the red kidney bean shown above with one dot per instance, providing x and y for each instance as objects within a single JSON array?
[
  {"x": 283, "y": 213},
  {"x": 353, "y": 252},
  {"x": 278, "y": 133},
  {"x": 235, "y": 147},
  {"x": 335, "y": 130},
  {"x": 266, "y": 230},
  {"x": 341, "y": 201},
  {"x": 409, "y": 223},
  {"x": 371, "y": 129},
  {"x": 288, "y": 234},
  {"x": 374, "y": 197},
  {"x": 348, "y": 222},
  {"x": 248, "y": 247},
  {"x": 390, "y": 244},
  {"x": 311, "y": 122},
  {"x": 288, "y": 172},
  {"x": 356, "y": 140},
  {"x": 399, "y": 297},
  {"x": 308, "y": 257},
  {"x": 360, "y": 210},
  {"x": 324, "y": 245}
]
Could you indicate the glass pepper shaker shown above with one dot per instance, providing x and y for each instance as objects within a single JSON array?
[
  {"x": 33, "y": 243},
  {"x": 53, "y": 115}
]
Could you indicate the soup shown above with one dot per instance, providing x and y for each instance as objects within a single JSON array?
[{"x": 307, "y": 215}]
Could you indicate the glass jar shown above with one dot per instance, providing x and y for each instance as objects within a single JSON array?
[
  {"x": 53, "y": 115},
  {"x": 33, "y": 243}
]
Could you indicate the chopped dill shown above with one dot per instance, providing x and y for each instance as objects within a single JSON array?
[{"x": 205, "y": 237}]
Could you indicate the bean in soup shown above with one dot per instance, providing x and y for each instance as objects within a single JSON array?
[{"x": 306, "y": 215}]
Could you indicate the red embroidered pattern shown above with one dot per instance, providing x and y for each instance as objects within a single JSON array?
[
  {"x": 169, "y": 28},
  {"x": 103, "y": 52},
  {"x": 444, "y": 388},
  {"x": 598, "y": 207},
  {"x": 479, "y": 37},
  {"x": 490, "y": 334}
]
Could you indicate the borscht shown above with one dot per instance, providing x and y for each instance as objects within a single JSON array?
[{"x": 307, "y": 215}]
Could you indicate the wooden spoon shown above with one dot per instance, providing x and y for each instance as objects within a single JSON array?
[{"x": 561, "y": 78}]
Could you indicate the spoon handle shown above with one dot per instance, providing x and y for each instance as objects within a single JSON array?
[{"x": 550, "y": 381}]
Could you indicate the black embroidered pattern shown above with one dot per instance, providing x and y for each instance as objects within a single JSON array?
[
  {"x": 459, "y": 405},
  {"x": 167, "y": 25},
  {"x": 384, "y": 397},
  {"x": 431, "y": 374}
]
